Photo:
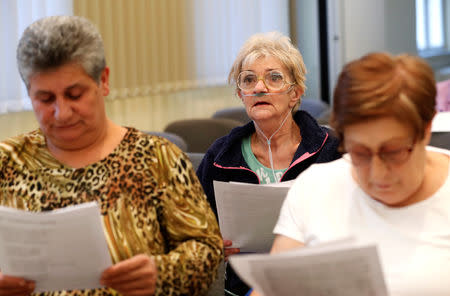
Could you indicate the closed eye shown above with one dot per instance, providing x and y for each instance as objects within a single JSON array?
[
  {"x": 45, "y": 98},
  {"x": 359, "y": 151},
  {"x": 75, "y": 92},
  {"x": 74, "y": 97},
  {"x": 393, "y": 154}
]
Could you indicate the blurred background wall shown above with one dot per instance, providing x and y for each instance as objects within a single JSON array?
[{"x": 169, "y": 59}]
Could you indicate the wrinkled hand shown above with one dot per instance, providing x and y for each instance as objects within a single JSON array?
[
  {"x": 15, "y": 286},
  {"x": 229, "y": 251},
  {"x": 132, "y": 277}
]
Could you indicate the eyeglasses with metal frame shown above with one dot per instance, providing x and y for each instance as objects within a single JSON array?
[{"x": 273, "y": 80}]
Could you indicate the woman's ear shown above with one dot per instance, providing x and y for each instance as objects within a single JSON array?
[
  {"x": 427, "y": 131},
  {"x": 239, "y": 94},
  {"x": 295, "y": 95},
  {"x": 104, "y": 81}
]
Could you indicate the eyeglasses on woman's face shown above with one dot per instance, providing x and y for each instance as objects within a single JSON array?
[
  {"x": 392, "y": 153},
  {"x": 273, "y": 80}
]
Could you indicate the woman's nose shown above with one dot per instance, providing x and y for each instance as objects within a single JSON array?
[
  {"x": 260, "y": 86},
  {"x": 378, "y": 168},
  {"x": 63, "y": 111}
]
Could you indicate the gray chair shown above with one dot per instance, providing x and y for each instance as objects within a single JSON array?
[
  {"x": 440, "y": 139},
  {"x": 176, "y": 139},
  {"x": 235, "y": 113},
  {"x": 317, "y": 108},
  {"x": 196, "y": 158},
  {"x": 217, "y": 288},
  {"x": 199, "y": 134}
]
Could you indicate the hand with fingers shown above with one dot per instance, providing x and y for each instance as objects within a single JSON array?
[
  {"x": 15, "y": 286},
  {"x": 135, "y": 276},
  {"x": 228, "y": 250}
]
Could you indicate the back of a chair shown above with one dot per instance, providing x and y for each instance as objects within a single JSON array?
[
  {"x": 196, "y": 158},
  {"x": 317, "y": 108},
  {"x": 177, "y": 140},
  {"x": 440, "y": 130},
  {"x": 314, "y": 107},
  {"x": 199, "y": 134},
  {"x": 218, "y": 286},
  {"x": 235, "y": 113},
  {"x": 440, "y": 139}
]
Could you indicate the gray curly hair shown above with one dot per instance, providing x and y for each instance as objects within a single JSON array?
[{"x": 55, "y": 41}]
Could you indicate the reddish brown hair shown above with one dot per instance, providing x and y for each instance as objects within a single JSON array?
[{"x": 380, "y": 85}]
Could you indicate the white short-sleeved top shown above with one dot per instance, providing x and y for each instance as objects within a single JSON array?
[{"x": 325, "y": 203}]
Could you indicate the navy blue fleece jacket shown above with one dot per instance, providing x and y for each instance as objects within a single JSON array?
[{"x": 224, "y": 160}]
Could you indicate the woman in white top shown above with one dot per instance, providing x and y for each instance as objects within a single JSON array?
[{"x": 390, "y": 188}]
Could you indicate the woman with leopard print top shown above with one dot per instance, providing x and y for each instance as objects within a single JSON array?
[{"x": 162, "y": 235}]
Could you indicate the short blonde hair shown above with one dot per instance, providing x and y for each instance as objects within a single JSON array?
[
  {"x": 381, "y": 85},
  {"x": 271, "y": 44}
]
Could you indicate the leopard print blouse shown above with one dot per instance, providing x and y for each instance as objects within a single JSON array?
[{"x": 151, "y": 202}]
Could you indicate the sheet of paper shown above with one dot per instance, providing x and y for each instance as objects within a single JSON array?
[
  {"x": 63, "y": 249},
  {"x": 286, "y": 184},
  {"x": 441, "y": 122},
  {"x": 248, "y": 213},
  {"x": 309, "y": 271}
]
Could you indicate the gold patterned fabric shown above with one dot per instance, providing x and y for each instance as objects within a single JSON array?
[{"x": 150, "y": 198}]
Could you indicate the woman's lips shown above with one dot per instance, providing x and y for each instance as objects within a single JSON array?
[
  {"x": 66, "y": 126},
  {"x": 382, "y": 187},
  {"x": 261, "y": 103}
]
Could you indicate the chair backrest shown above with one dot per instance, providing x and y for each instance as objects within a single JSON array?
[
  {"x": 196, "y": 158},
  {"x": 174, "y": 138},
  {"x": 235, "y": 113},
  {"x": 199, "y": 134},
  {"x": 440, "y": 139},
  {"x": 217, "y": 287},
  {"x": 440, "y": 130},
  {"x": 317, "y": 108}
]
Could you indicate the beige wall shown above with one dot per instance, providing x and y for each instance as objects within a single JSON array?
[
  {"x": 154, "y": 112},
  {"x": 149, "y": 50},
  {"x": 16, "y": 123},
  {"x": 148, "y": 44},
  {"x": 150, "y": 113},
  {"x": 151, "y": 53}
]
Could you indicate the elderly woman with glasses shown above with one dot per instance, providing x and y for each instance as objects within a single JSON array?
[
  {"x": 280, "y": 142},
  {"x": 390, "y": 188}
]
